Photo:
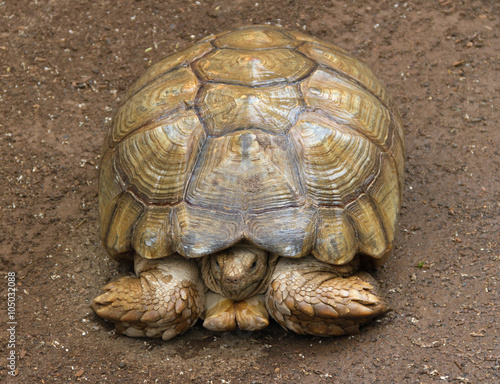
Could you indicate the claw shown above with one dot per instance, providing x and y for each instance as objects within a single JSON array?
[
  {"x": 220, "y": 314},
  {"x": 251, "y": 314}
]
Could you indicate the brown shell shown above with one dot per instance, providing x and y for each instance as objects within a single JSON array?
[{"x": 260, "y": 134}]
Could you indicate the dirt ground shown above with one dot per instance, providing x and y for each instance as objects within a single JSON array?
[{"x": 65, "y": 64}]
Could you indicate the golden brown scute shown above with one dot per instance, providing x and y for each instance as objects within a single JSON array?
[{"x": 260, "y": 134}]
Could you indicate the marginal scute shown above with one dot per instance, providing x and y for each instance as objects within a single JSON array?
[
  {"x": 110, "y": 191},
  {"x": 288, "y": 232},
  {"x": 384, "y": 191},
  {"x": 247, "y": 171},
  {"x": 337, "y": 162},
  {"x": 369, "y": 229},
  {"x": 255, "y": 37},
  {"x": 253, "y": 68},
  {"x": 199, "y": 231},
  {"x": 119, "y": 236},
  {"x": 398, "y": 124},
  {"x": 397, "y": 153},
  {"x": 153, "y": 162},
  {"x": 344, "y": 63},
  {"x": 152, "y": 233},
  {"x": 174, "y": 91},
  {"x": 336, "y": 241},
  {"x": 170, "y": 63},
  {"x": 347, "y": 102},
  {"x": 227, "y": 108},
  {"x": 303, "y": 37}
]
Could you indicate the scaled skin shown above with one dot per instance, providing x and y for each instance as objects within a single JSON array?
[
  {"x": 308, "y": 296},
  {"x": 164, "y": 300},
  {"x": 237, "y": 277},
  {"x": 304, "y": 295},
  {"x": 246, "y": 285},
  {"x": 167, "y": 297},
  {"x": 237, "y": 272}
]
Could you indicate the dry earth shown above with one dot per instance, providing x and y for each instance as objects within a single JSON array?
[{"x": 64, "y": 65}]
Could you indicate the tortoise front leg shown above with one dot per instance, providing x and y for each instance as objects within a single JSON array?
[
  {"x": 308, "y": 296},
  {"x": 164, "y": 300}
]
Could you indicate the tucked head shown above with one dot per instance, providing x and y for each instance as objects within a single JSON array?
[{"x": 238, "y": 272}]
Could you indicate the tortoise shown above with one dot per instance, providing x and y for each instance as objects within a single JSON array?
[{"x": 256, "y": 173}]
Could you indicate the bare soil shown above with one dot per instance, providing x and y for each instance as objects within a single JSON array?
[{"x": 65, "y": 64}]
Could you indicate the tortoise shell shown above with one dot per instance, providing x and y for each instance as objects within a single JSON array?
[{"x": 262, "y": 135}]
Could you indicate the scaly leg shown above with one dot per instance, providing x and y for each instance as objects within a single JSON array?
[
  {"x": 308, "y": 296},
  {"x": 165, "y": 300}
]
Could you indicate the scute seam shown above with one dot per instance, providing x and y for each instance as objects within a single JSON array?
[
  {"x": 191, "y": 176},
  {"x": 270, "y": 84},
  {"x": 149, "y": 125},
  {"x": 381, "y": 222},
  {"x": 313, "y": 68},
  {"x": 153, "y": 80},
  {"x": 389, "y": 142},
  {"x": 348, "y": 77},
  {"x": 113, "y": 217}
]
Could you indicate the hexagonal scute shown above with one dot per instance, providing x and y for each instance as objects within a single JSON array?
[{"x": 254, "y": 68}]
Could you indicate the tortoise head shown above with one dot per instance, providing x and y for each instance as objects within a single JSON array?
[{"x": 239, "y": 272}]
